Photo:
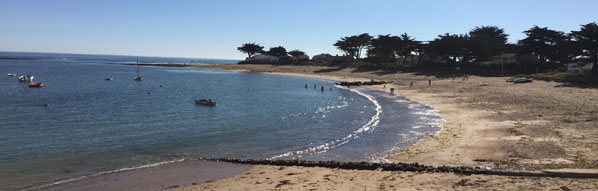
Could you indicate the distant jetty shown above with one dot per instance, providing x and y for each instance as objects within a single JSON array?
[{"x": 18, "y": 58}]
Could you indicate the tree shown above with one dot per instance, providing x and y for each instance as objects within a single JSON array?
[
  {"x": 383, "y": 48},
  {"x": 486, "y": 41},
  {"x": 278, "y": 51},
  {"x": 542, "y": 43},
  {"x": 420, "y": 49},
  {"x": 406, "y": 46},
  {"x": 296, "y": 53},
  {"x": 250, "y": 49},
  {"x": 587, "y": 40},
  {"x": 353, "y": 45},
  {"x": 453, "y": 47},
  {"x": 566, "y": 51}
]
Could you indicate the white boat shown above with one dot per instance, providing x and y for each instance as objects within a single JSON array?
[
  {"x": 523, "y": 80},
  {"x": 11, "y": 75},
  {"x": 108, "y": 78},
  {"x": 208, "y": 102},
  {"x": 27, "y": 78}
]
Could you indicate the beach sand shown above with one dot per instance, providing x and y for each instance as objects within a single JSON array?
[{"x": 489, "y": 122}]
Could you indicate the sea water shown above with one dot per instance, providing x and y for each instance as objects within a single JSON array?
[{"x": 91, "y": 125}]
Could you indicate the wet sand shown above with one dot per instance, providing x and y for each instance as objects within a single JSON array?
[{"x": 163, "y": 177}]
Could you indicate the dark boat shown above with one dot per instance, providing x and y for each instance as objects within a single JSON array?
[
  {"x": 208, "y": 102},
  {"x": 138, "y": 78}
]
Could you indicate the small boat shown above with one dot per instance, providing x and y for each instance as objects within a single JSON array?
[
  {"x": 11, "y": 75},
  {"x": 138, "y": 78},
  {"x": 109, "y": 78},
  {"x": 208, "y": 102},
  {"x": 27, "y": 78},
  {"x": 36, "y": 85},
  {"x": 523, "y": 80}
]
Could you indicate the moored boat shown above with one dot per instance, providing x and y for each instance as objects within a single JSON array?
[
  {"x": 36, "y": 85},
  {"x": 11, "y": 75},
  {"x": 208, "y": 102},
  {"x": 138, "y": 78},
  {"x": 27, "y": 78},
  {"x": 523, "y": 80},
  {"x": 108, "y": 78}
]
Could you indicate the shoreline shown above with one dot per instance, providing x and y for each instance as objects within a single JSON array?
[
  {"x": 382, "y": 88},
  {"x": 488, "y": 121},
  {"x": 113, "y": 179},
  {"x": 485, "y": 126},
  {"x": 159, "y": 176}
]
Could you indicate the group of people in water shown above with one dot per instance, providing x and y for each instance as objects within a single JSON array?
[{"x": 315, "y": 87}]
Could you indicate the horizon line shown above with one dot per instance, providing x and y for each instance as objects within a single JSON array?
[{"x": 104, "y": 54}]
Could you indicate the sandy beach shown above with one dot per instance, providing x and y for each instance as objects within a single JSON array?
[{"x": 489, "y": 122}]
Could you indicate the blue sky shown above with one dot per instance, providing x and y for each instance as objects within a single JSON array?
[{"x": 214, "y": 29}]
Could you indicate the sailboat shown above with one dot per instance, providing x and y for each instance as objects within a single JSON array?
[{"x": 138, "y": 78}]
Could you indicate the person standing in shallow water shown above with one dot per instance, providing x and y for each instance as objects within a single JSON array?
[
  {"x": 305, "y": 86},
  {"x": 314, "y": 86},
  {"x": 322, "y": 89}
]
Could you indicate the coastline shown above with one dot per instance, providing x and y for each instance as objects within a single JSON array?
[
  {"x": 489, "y": 122},
  {"x": 477, "y": 132}
]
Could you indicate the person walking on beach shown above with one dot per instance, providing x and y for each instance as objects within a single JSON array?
[
  {"x": 411, "y": 84},
  {"x": 429, "y": 82}
]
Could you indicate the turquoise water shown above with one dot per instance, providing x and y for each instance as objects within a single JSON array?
[{"x": 91, "y": 125}]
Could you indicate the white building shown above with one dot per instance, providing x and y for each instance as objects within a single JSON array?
[{"x": 262, "y": 58}]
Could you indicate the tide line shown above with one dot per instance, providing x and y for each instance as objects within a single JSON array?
[{"x": 106, "y": 172}]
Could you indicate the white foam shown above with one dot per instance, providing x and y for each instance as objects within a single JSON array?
[{"x": 370, "y": 126}]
